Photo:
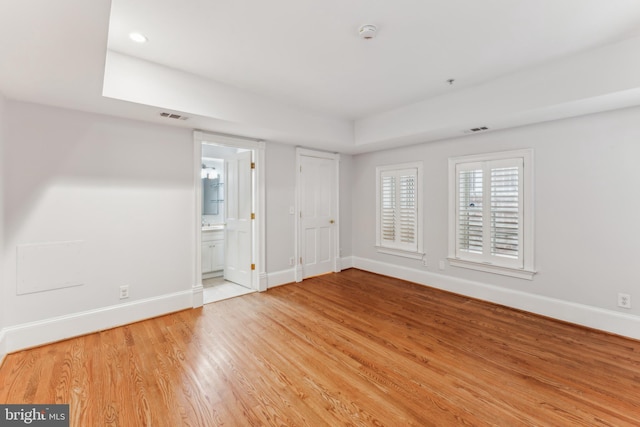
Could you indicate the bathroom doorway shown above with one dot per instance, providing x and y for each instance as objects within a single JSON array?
[{"x": 229, "y": 245}]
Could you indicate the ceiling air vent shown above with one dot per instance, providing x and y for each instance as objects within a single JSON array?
[
  {"x": 478, "y": 129},
  {"x": 174, "y": 116}
]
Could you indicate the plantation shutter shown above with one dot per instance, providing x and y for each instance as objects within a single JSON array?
[
  {"x": 489, "y": 211},
  {"x": 388, "y": 208},
  {"x": 408, "y": 212},
  {"x": 470, "y": 217},
  {"x": 506, "y": 208},
  {"x": 399, "y": 209}
]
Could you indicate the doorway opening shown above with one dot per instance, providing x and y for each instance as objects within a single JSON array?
[{"x": 229, "y": 217}]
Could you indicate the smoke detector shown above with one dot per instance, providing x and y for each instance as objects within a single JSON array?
[{"x": 367, "y": 31}]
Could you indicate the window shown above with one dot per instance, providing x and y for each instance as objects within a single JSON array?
[
  {"x": 491, "y": 213},
  {"x": 399, "y": 214}
]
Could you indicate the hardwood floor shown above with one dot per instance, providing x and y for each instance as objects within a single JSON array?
[{"x": 352, "y": 349}]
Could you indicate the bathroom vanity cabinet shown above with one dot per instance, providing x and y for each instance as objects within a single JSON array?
[{"x": 212, "y": 251}]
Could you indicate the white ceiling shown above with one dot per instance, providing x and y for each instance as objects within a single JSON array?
[
  {"x": 303, "y": 59},
  {"x": 307, "y": 53}
]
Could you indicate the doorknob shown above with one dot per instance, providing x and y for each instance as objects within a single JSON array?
[{"x": 331, "y": 221}]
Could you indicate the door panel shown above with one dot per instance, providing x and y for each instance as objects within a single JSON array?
[
  {"x": 238, "y": 208},
  {"x": 310, "y": 247},
  {"x": 318, "y": 214},
  {"x": 324, "y": 236}
]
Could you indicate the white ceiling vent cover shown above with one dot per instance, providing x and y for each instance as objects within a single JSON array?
[
  {"x": 173, "y": 116},
  {"x": 476, "y": 129}
]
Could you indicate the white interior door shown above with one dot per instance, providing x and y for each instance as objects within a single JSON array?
[
  {"x": 238, "y": 239},
  {"x": 318, "y": 215}
]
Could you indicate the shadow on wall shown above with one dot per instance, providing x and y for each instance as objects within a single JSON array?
[{"x": 49, "y": 149}]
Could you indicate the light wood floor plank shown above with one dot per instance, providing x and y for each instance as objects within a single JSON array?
[{"x": 352, "y": 349}]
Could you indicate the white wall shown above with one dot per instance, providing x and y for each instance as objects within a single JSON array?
[
  {"x": 3, "y": 298},
  {"x": 346, "y": 166},
  {"x": 586, "y": 211},
  {"x": 280, "y": 195},
  {"x": 123, "y": 188}
]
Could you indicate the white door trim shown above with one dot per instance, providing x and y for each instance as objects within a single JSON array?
[
  {"x": 198, "y": 296},
  {"x": 259, "y": 276},
  {"x": 300, "y": 152}
]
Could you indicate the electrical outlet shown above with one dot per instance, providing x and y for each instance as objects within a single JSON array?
[
  {"x": 291, "y": 261},
  {"x": 441, "y": 265},
  {"x": 124, "y": 291},
  {"x": 624, "y": 300}
]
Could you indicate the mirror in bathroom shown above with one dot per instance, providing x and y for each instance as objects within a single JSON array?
[{"x": 211, "y": 196}]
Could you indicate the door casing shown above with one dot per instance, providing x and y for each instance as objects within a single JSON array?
[{"x": 259, "y": 276}]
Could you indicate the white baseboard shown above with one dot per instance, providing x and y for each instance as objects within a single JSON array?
[
  {"x": 198, "y": 296},
  {"x": 282, "y": 277},
  {"x": 213, "y": 274},
  {"x": 20, "y": 337},
  {"x": 263, "y": 282},
  {"x": 592, "y": 317},
  {"x": 346, "y": 262}
]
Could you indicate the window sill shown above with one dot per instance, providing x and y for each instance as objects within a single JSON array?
[
  {"x": 400, "y": 252},
  {"x": 520, "y": 273}
]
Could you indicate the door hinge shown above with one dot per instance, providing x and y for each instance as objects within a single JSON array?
[
  {"x": 253, "y": 266},
  {"x": 253, "y": 216},
  {"x": 253, "y": 165},
  {"x": 300, "y": 260}
]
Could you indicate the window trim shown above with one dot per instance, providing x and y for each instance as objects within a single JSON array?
[
  {"x": 419, "y": 252},
  {"x": 527, "y": 271}
]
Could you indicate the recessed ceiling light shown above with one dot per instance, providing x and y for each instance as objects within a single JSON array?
[{"x": 137, "y": 37}]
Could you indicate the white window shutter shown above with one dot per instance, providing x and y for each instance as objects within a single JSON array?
[
  {"x": 470, "y": 216},
  {"x": 388, "y": 208},
  {"x": 491, "y": 213},
  {"x": 506, "y": 208},
  {"x": 408, "y": 214},
  {"x": 398, "y": 214}
]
